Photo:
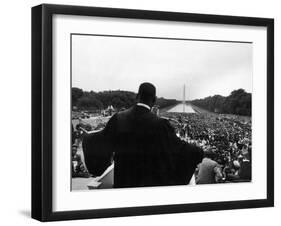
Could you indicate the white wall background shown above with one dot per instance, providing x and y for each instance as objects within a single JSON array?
[{"x": 15, "y": 114}]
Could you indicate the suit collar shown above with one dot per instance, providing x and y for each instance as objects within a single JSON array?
[
  {"x": 140, "y": 109},
  {"x": 144, "y": 105}
]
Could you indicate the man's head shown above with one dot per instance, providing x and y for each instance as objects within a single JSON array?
[
  {"x": 209, "y": 153},
  {"x": 147, "y": 94}
]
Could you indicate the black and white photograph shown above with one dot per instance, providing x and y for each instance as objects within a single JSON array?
[
  {"x": 142, "y": 112},
  {"x": 157, "y": 111}
]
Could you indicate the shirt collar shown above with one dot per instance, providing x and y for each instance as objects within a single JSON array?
[{"x": 144, "y": 105}]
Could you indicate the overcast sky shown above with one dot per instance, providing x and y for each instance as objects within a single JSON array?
[{"x": 206, "y": 68}]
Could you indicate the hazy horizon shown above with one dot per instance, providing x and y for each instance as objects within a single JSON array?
[
  {"x": 157, "y": 96},
  {"x": 102, "y": 63}
]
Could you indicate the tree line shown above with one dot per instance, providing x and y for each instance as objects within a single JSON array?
[
  {"x": 239, "y": 102},
  {"x": 91, "y": 100}
]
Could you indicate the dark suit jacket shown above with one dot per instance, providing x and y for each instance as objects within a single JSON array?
[
  {"x": 245, "y": 171},
  {"x": 147, "y": 151},
  {"x": 97, "y": 152}
]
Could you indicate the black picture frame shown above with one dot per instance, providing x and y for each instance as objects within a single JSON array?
[{"x": 42, "y": 111}]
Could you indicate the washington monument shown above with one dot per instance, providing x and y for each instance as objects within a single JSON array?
[{"x": 183, "y": 99}]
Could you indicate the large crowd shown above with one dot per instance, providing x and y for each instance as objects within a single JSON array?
[{"x": 226, "y": 140}]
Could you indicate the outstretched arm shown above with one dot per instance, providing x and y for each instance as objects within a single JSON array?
[{"x": 184, "y": 156}]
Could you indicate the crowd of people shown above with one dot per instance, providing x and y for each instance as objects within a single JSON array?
[{"x": 226, "y": 140}]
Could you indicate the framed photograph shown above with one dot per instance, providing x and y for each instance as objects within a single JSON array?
[{"x": 140, "y": 112}]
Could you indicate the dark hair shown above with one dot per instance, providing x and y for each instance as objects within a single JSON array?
[
  {"x": 209, "y": 154},
  {"x": 147, "y": 92}
]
